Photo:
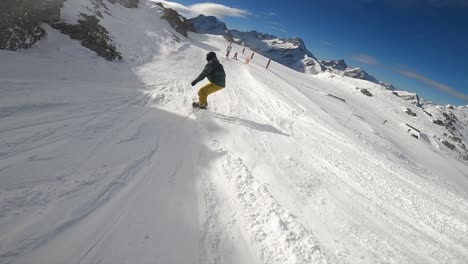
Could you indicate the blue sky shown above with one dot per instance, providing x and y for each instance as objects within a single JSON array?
[{"x": 417, "y": 45}]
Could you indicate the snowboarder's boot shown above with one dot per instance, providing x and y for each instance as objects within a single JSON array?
[{"x": 198, "y": 105}]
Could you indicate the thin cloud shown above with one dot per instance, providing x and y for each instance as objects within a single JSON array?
[
  {"x": 208, "y": 9},
  {"x": 327, "y": 43},
  {"x": 270, "y": 14},
  {"x": 279, "y": 27},
  {"x": 401, "y": 69},
  {"x": 440, "y": 86},
  {"x": 364, "y": 58},
  {"x": 274, "y": 23},
  {"x": 218, "y": 10},
  {"x": 184, "y": 10}
]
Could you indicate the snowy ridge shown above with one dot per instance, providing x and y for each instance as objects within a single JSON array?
[
  {"x": 208, "y": 25},
  {"x": 340, "y": 67},
  {"x": 289, "y": 52},
  {"x": 106, "y": 162}
]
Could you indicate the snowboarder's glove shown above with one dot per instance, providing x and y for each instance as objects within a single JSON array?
[{"x": 193, "y": 83}]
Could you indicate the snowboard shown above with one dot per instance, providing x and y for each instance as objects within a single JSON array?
[{"x": 196, "y": 105}]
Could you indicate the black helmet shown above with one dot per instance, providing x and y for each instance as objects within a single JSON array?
[{"x": 211, "y": 55}]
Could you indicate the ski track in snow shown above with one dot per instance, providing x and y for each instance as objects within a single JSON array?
[{"x": 274, "y": 172}]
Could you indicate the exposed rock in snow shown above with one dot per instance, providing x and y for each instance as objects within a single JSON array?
[
  {"x": 448, "y": 144},
  {"x": 438, "y": 122},
  {"x": 408, "y": 96},
  {"x": 20, "y": 21},
  {"x": 177, "y": 21},
  {"x": 455, "y": 124},
  {"x": 20, "y": 24},
  {"x": 409, "y": 112},
  {"x": 365, "y": 92},
  {"x": 92, "y": 35}
]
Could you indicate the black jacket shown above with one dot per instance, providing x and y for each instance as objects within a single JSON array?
[{"x": 214, "y": 71}]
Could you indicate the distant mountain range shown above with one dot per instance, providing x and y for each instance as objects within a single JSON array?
[{"x": 291, "y": 52}]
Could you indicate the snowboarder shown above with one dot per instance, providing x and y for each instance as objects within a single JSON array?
[{"x": 214, "y": 71}]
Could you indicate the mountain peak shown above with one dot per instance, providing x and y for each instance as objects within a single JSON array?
[
  {"x": 208, "y": 25},
  {"x": 359, "y": 73},
  {"x": 291, "y": 52},
  {"x": 335, "y": 64}
]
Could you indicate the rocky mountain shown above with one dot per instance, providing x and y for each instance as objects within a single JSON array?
[
  {"x": 21, "y": 23},
  {"x": 209, "y": 25},
  {"x": 291, "y": 52},
  {"x": 358, "y": 73},
  {"x": 452, "y": 121},
  {"x": 21, "y": 28},
  {"x": 340, "y": 67},
  {"x": 177, "y": 21}
]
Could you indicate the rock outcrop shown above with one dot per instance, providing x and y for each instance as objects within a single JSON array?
[
  {"x": 410, "y": 112},
  {"x": 365, "y": 92},
  {"x": 177, "y": 21},
  {"x": 20, "y": 21},
  {"x": 92, "y": 35}
]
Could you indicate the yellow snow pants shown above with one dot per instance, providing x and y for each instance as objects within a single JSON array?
[{"x": 207, "y": 90}]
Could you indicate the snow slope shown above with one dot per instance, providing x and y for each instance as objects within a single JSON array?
[{"x": 107, "y": 163}]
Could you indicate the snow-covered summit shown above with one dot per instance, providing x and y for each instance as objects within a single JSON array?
[
  {"x": 209, "y": 25},
  {"x": 340, "y": 67},
  {"x": 290, "y": 52},
  {"x": 358, "y": 73}
]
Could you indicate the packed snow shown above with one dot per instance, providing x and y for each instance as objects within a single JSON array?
[{"x": 107, "y": 162}]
